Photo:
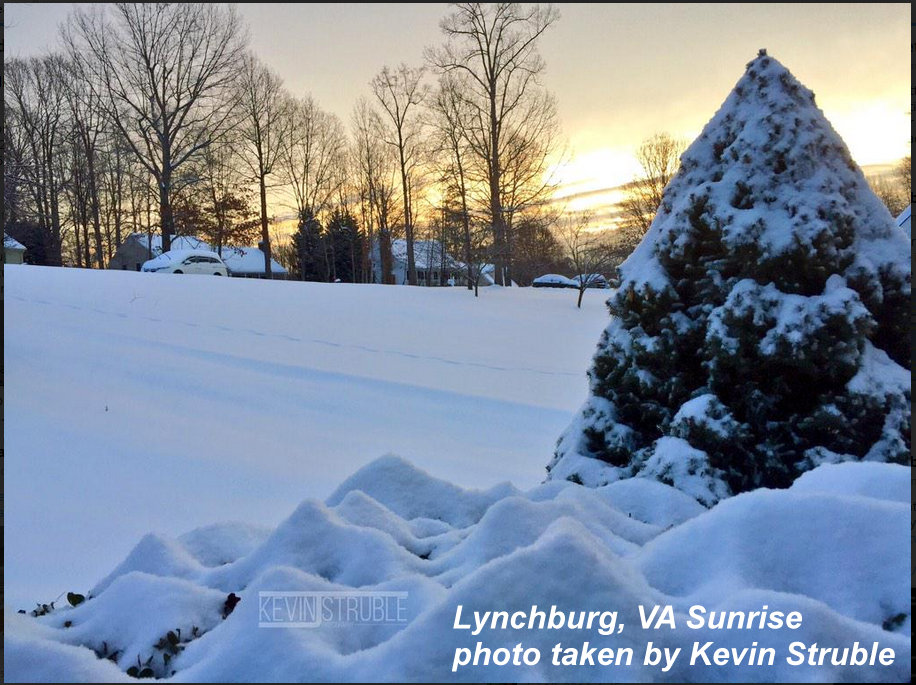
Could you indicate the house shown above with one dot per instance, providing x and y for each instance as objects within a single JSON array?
[
  {"x": 13, "y": 251},
  {"x": 903, "y": 221},
  {"x": 138, "y": 248},
  {"x": 244, "y": 262},
  {"x": 248, "y": 262},
  {"x": 434, "y": 265},
  {"x": 488, "y": 275}
]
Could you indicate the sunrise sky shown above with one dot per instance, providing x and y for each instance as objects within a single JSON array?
[{"x": 620, "y": 73}]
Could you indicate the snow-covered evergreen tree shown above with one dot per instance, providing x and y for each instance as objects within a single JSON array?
[{"x": 762, "y": 325}]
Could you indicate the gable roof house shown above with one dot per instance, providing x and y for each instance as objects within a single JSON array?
[
  {"x": 244, "y": 262},
  {"x": 435, "y": 266},
  {"x": 248, "y": 262},
  {"x": 13, "y": 250},
  {"x": 138, "y": 248},
  {"x": 488, "y": 276}
]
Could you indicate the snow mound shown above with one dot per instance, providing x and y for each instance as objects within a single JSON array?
[
  {"x": 223, "y": 543},
  {"x": 412, "y": 493},
  {"x": 631, "y": 543},
  {"x": 880, "y": 481},
  {"x": 785, "y": 541},
  {"x": 651, "y": 501},
  {"x": 156, "y": 555},
  {"x": 315, "y": 539},
  {"x": 135, "y": 612},
  {"x": 31, "y": 655}
]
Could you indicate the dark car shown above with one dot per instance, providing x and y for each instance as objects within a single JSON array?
[
  {"x": 592, "y": 281},
  {"x": 553, "y": 281}
]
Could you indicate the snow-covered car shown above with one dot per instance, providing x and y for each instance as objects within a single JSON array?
[
  {"x": 553, "y": 281},
  {"x": 187, "y": 262},
  {"x": 591, "y": 281}
]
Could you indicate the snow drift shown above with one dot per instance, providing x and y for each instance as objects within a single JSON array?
[{"x": 824, "y": 548}]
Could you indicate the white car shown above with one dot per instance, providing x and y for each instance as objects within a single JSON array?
[{"x": 187, "y": 262}]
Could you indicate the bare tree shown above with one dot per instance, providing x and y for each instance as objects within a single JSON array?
[
  {"x": 116, "y": 178},
  {"x": 34, "y": 98},
  {"x": 890, "y": 191},
  {"x": 15, "y": 166},
  {"x": 659, "y": 158},
  {"x": 450, "y": 112},
  {"x": 79, "y": 205},
  {"x": 164, "y": 73},
  {"x": 313, "y": 156},
  {"x": 537, "y": 250},
  {"x": 495, "y": 46},
  {"x": 481, "y": 255},
  {"x": 588, "y": 249},
  {"x": 904, "y": 172},
  {"x": 89, "y": 126},
  {"x": 376, "y": 179},
  {"x": 400, "y": 92},
  {"x": 224, "y": 190},
  {"x": 265, "y": 106},
  {"x": 140, "y": 192},
  {"x": 533, "y": 153},
  {"x": 895, "y": 188}
]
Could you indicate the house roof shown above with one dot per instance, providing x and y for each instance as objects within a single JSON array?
[
  {"x": 240, "y": 260},
  {"x": 487, "y": 273},
  {"x": 179, "y": 242},
  {"x": 427, "y": 254},
  {"x": 903, "y": 221},
  {"x": 248, "y": 260},
  {"x": 12, "y": 244}
]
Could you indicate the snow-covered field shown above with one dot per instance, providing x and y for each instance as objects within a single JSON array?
[{"x": 138, "y": 402}]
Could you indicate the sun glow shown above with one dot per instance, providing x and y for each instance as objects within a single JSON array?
[{"x": 875, "y": 131}]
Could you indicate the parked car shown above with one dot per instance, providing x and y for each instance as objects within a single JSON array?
[
  {"x": 187, "y": 262},
  {"x": 592, "y": 281},
  {"x": 553, "y": 281}
]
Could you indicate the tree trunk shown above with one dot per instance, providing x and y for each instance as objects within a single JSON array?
[
  {"x": 86, "y": 255},
  {"x": 507, "y": 233},
  {"x": 134, "y": 210},
  {"x": 56, "y": 249},
  {"x": 79, "y": 253},
  {"x": 353, "y": 278},
  {"x": 384, "y": 246},
  {"x": 96, "y": 215},
  {"x": 165, "y": 213},
  {"x": 408, "y": 220},
  {"x": 149, "y": 226},
  {"x": 581, "y": 293},
  {"x": 465, "y": 218},
  {"x": 265, "y": 234},
  {"x": 496, "y": 209},
  {"x": 366, "y": 258},
  {"x": 119, "y": 201}
]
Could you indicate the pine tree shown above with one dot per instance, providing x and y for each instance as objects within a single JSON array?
[
  {"x": 345, "y": 245},
  {"x": 310, "y": 249},
  {"x": 761, "y": 327}
]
